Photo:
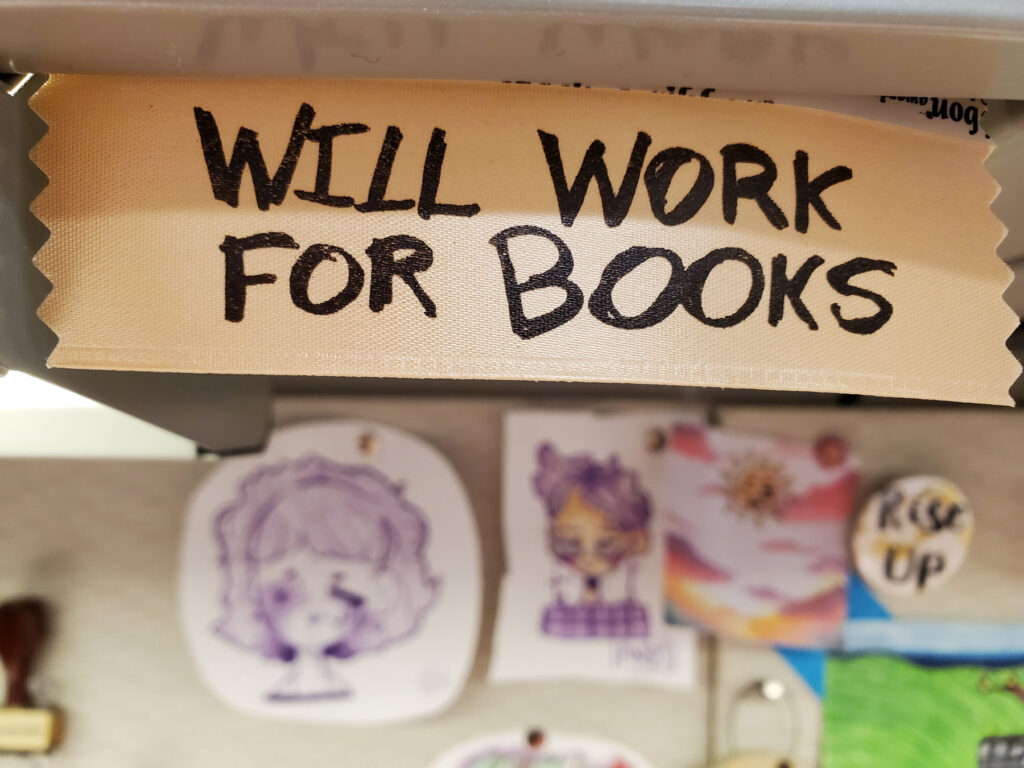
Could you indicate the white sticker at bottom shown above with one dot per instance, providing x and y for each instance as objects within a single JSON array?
[
  {"x": 756, "y": 760},
  {"x": 537, "y": 749},
  {"x": 335, "y": 577}
]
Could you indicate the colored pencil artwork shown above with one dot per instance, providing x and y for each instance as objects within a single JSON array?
[{"x": 884, "y": 711}]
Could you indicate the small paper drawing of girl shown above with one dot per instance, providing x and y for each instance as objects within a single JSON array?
[
  {"x": 598, "y": 517},
  {"x": 321, "y": 562}
]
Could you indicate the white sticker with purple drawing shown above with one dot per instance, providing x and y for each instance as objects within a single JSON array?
[
  {"x": 582, "y": 596},
  {"x": 537, "y": 749},
  {"x": 334, "y": 577}
]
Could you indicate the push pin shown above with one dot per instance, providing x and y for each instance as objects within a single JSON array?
[
  {"x": 769, "y": 690},
  {"x": 24, "y": 626},
  {"x": 535, "y": 739}
]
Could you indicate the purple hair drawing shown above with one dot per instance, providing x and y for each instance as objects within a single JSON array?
[
  {"x": 321, "y": 562},
  {"x": 598, "y": 517}
]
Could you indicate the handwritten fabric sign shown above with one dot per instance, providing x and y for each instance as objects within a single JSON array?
[{"x": 487, "y": 231}]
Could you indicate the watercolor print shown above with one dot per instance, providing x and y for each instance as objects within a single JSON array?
[
  {"x": 755, "y": 545},
  {"x": 322, "y": 568},
  {"x": 537, "y": 749},
  {"x": 597, "y": 517},
  {"x": 582, "y": 597}
]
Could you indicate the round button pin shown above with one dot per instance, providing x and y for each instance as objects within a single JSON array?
[{"x": 912, "y": 535}]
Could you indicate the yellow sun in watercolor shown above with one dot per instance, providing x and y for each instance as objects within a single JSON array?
[{"x": 756, "y": 487}]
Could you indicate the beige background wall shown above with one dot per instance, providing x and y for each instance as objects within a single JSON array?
[{"x": 100, "y": 540}]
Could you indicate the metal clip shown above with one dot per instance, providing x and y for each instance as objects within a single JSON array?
[{"x": 19, "y": 83}]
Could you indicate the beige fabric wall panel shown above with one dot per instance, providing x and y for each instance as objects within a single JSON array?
[{"x": 100, "y": 541}]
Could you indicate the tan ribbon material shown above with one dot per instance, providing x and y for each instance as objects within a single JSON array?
[{"x": 489, "y": 231}]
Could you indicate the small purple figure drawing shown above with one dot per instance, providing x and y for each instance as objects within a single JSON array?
[
  {"x": 598, "y": 517},
  {"x": 321, "y": 562}
]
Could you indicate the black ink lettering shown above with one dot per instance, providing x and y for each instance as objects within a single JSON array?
[
  {"x": 382, "y": 175},
  {"x": 932, "y": 519},
  {"x": 940, "y": 108},
  {"x": 557, "y": 276},
  {"x": 236, "y": 281},
  {"x": 949, "y": 520},
  {"x": 932, "y": 563},
  {"x": 226, "y": 178},
  {"x": 432, "y": 180},
  {"x": 302, "y": 271},
  {"x": 614, "y": 204},
  {"x": 913, "y": 513},
  {"x": 839, "y": 278},
  {"x": 384, "y": 267},
  {"x": 325, "y": 136},
  {"x": 603, "y": 307},
  {"x": 658, "y": 178},
  {"x": 783, "y": 287},
  {"x": 754, "y": 187},
  {"x": 891, "y": 554},
  {"x": 971, "y": 118},
  {"x": 697, "y": 274},
  {"x": 887, "y": 514},
  {"x": 808, "y": 193}
]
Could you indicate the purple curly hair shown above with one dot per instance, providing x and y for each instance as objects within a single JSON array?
[
  {"x": 608, "y": 487},
  {"x": 336, "y": 510}
]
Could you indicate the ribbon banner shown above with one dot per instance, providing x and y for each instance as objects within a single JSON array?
[{"x": 486, "y": 231}]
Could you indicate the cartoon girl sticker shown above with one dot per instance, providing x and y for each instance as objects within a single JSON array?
[
  {"x": 598, "y": 517},
  {"x": 321, "y": 562}
]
